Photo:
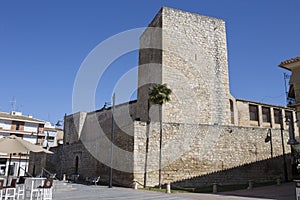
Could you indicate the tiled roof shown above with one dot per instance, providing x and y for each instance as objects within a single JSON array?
[
  {"x": 18, "y": 117},
  {"x": 289, "y": 61}
]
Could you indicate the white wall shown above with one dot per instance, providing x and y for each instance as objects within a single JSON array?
[
  {"x": 31, "y": 139},
  {"x": 47, "y": 143},
  {"x": 31, "y": 127},
  {"x": 5, "y": 124}
]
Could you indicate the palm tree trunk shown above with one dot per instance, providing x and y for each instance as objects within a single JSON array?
[
  {"x": 160, "y": 146},
  {"x": 147, "y": 146},
  {"x": 146, "y": 156}
]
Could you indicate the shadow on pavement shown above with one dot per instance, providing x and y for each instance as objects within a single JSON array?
[{"x": 286, "y": 191}]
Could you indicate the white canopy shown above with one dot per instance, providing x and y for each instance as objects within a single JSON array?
[{"x": 13, "y": 144}]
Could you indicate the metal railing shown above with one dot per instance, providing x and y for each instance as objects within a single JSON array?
[{"x": 48, "y": 174}]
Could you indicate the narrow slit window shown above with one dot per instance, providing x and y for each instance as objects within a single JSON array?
[{"x": 231, "y": 111}]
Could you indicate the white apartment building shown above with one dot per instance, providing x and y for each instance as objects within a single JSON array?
[{"x": 30, "y": 129}]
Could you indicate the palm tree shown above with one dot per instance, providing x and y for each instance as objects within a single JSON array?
[{"x": 159, "y": 94}]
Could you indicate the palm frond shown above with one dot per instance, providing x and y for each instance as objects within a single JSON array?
[{"x": 159, "y": 93}]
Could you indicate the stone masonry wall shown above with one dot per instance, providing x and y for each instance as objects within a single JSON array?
[
  {"x": 150, "y": 69},
  {"x": 91, "y": 145},
  {"x": 188, "y": 52},
  {"x": 195, "y": 67},
  {"x": 268, "y": 170},
  {"x": 191, "y": 151},
  {"x": 73, "y": 126}
]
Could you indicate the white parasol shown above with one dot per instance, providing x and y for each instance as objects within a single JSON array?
[{"x": 13, "y": 144}]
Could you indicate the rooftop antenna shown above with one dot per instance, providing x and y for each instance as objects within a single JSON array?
[
  {"x": 19, "y": 108},
  {"x": 13, "y": 104}
]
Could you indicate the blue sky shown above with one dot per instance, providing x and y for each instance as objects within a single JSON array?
[{"x": 43, "y": 43}]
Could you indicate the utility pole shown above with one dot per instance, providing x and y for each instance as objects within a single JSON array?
[
  {"x": 112, "y": 140},
  {"x": 62, "y": 146}
]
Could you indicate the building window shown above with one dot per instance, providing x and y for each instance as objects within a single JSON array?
[
  {"x": 266, "y": 116},
  {"x": 50, "y": 139},
  {"x": 253, "y": 111},
  {"x": 277, "y": 116},
  {"x": 289, "y": 115},
  {"x": 17, "y": 127}
]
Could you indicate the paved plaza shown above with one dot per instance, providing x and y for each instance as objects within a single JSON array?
[{"x": 85, "y": 192}]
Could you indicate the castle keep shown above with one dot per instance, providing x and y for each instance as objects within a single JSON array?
[
  {"x": 208, "y": 135},
  {"x": 191, "y": 58}
]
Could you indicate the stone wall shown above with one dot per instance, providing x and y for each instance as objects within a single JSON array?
[
  {"x": 195, "y": 68},
  {"x": 191, "y": 151},
  {"x": 188, "y": 52},
  {"x": 150, "y": 69},
  {"x": 242, "y": 110},
  {"x": 268, "y": 170},
  {"x": 192, "y": 156},
  {"x": 37, "y": 161},
  {"x": 73, "y": 126},
  {"x": 88, "y": 140}
]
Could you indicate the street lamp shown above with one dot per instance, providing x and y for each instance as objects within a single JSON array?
[
  {"x": 283, "y": 150},
  {"x": 112, "y": 140},
  {"x": 292, "y": 140},
  {"x": 34, "y": 155},
  {"x": 59, "y": 124},
  {"x": 269, "y": 139}
]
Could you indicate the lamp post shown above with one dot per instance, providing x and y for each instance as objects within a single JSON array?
[
  {"x": 34, "y": 155},
  {"x": 58, "y": 124},
  {"x": 112, "y": 141},
  {"x": 285, "y": 174},
  {"x": 292, "y": 141},
  {"x": 269, "y": 139}
]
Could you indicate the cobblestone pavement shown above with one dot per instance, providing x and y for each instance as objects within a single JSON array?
[{"x": 283, "y": 192}]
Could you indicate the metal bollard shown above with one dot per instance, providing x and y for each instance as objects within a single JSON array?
[
  {"x": 250, "y": 186},
  {"x": 168, "y": 188},
  {"x": 278, "y": 181},
  {"x": 135, "y": 185},
  {"x": 215, "y": 187},
  {"x": 297, "y": 184}
]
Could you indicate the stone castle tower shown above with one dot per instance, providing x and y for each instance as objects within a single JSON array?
[
  {"x": 207, "y": 137},
  {"x": 187, "y": 52}
]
